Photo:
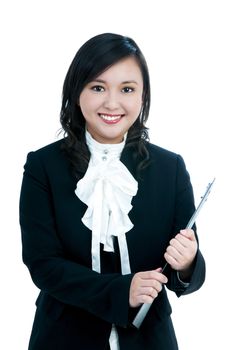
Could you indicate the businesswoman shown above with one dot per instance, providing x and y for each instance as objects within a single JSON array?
[{"x": 102, "y": 210}]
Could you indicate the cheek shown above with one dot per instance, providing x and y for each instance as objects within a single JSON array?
[
  {"x": 135, "y": 107},
  {"x": 87, "y": 105},
  {"x": 90, "y": 103}
]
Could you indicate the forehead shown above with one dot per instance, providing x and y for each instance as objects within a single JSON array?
[{"x": 126, "y": 69}]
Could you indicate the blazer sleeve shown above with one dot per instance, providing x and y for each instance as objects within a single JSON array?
[
  {"x": 104, "y": 295},
  {"x": 184, "y": 208}
]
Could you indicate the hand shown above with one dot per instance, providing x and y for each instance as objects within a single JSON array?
[
  {"x": 145, "y": 287},
  {"x": 182, "y": 250}
]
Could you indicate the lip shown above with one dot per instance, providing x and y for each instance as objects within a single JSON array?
[{"x": 110, "y": 122}]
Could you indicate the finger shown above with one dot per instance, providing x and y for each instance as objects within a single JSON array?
[
  {"x": 158, "y": 276},
  {"x": 188, "y": 233},
  {"x": 178, "y": 246},
  {"x": 152, "y": 292},
  {"x": 155, "y": 284},
  {"x": 145, "y": 290},
  {"x": 143, "y": 295},
  {"x": 136, "y": 301},
  {"x": 171, "y": 261},
  {"x": 145, "y": 299},
  {"x": 179, "y": 262},
  {"x": 189, "y": 246},
  {"x": 182, "y": 239},
  {"x": 172, "y": 251},
  {"x": 150, "y": 284},
  {"x": 153, "y": 275}
]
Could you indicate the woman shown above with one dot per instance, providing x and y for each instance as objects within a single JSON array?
[{"x": 103, "y": 210}]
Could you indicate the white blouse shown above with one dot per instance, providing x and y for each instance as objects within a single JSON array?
[{"x": 107, "y": 188}]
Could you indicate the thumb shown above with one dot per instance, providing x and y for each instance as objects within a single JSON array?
[{"x": 159, "y": 269}]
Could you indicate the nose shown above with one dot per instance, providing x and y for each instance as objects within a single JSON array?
[{"x": 111, "y": 101}]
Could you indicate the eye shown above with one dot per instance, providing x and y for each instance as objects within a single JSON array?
[
  {"x": 98, "y": 88},
  {"x": 127, "y": 89}
]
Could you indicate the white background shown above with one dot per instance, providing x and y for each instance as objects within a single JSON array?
[{"x": 188, "y": 49}]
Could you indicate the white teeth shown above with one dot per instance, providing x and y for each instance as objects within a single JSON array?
[{"x": 107, "y": 117}]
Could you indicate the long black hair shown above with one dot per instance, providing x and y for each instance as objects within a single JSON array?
[{"x": 93, "y": 58}]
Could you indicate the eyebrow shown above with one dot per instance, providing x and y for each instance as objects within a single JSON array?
[{"x": 123, "y": 82}]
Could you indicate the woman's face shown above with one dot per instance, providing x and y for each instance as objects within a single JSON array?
[{"x": 112, "y": 102}]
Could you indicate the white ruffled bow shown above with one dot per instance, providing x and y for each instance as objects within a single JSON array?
[{"x": 107, "y": 188}]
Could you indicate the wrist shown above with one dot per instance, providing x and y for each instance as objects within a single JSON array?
[{"x": 186, "y": 273}]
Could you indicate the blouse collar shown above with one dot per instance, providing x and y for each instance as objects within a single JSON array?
[{"x": 102, "y": 150}]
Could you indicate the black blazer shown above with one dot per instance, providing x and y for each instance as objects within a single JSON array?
[{"x": 76, "y": 306}]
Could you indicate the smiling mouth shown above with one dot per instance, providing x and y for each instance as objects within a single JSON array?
[{"x": 111, "y": 118}]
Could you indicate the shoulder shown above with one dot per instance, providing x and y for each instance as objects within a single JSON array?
[
  {"x": 159, "y": 154},
  {"x": 167, "y": 168},
  {"x": 49, "y": 150},
  {"x": 47, "y": 157},
  {"x": 165, "y": 160}
]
